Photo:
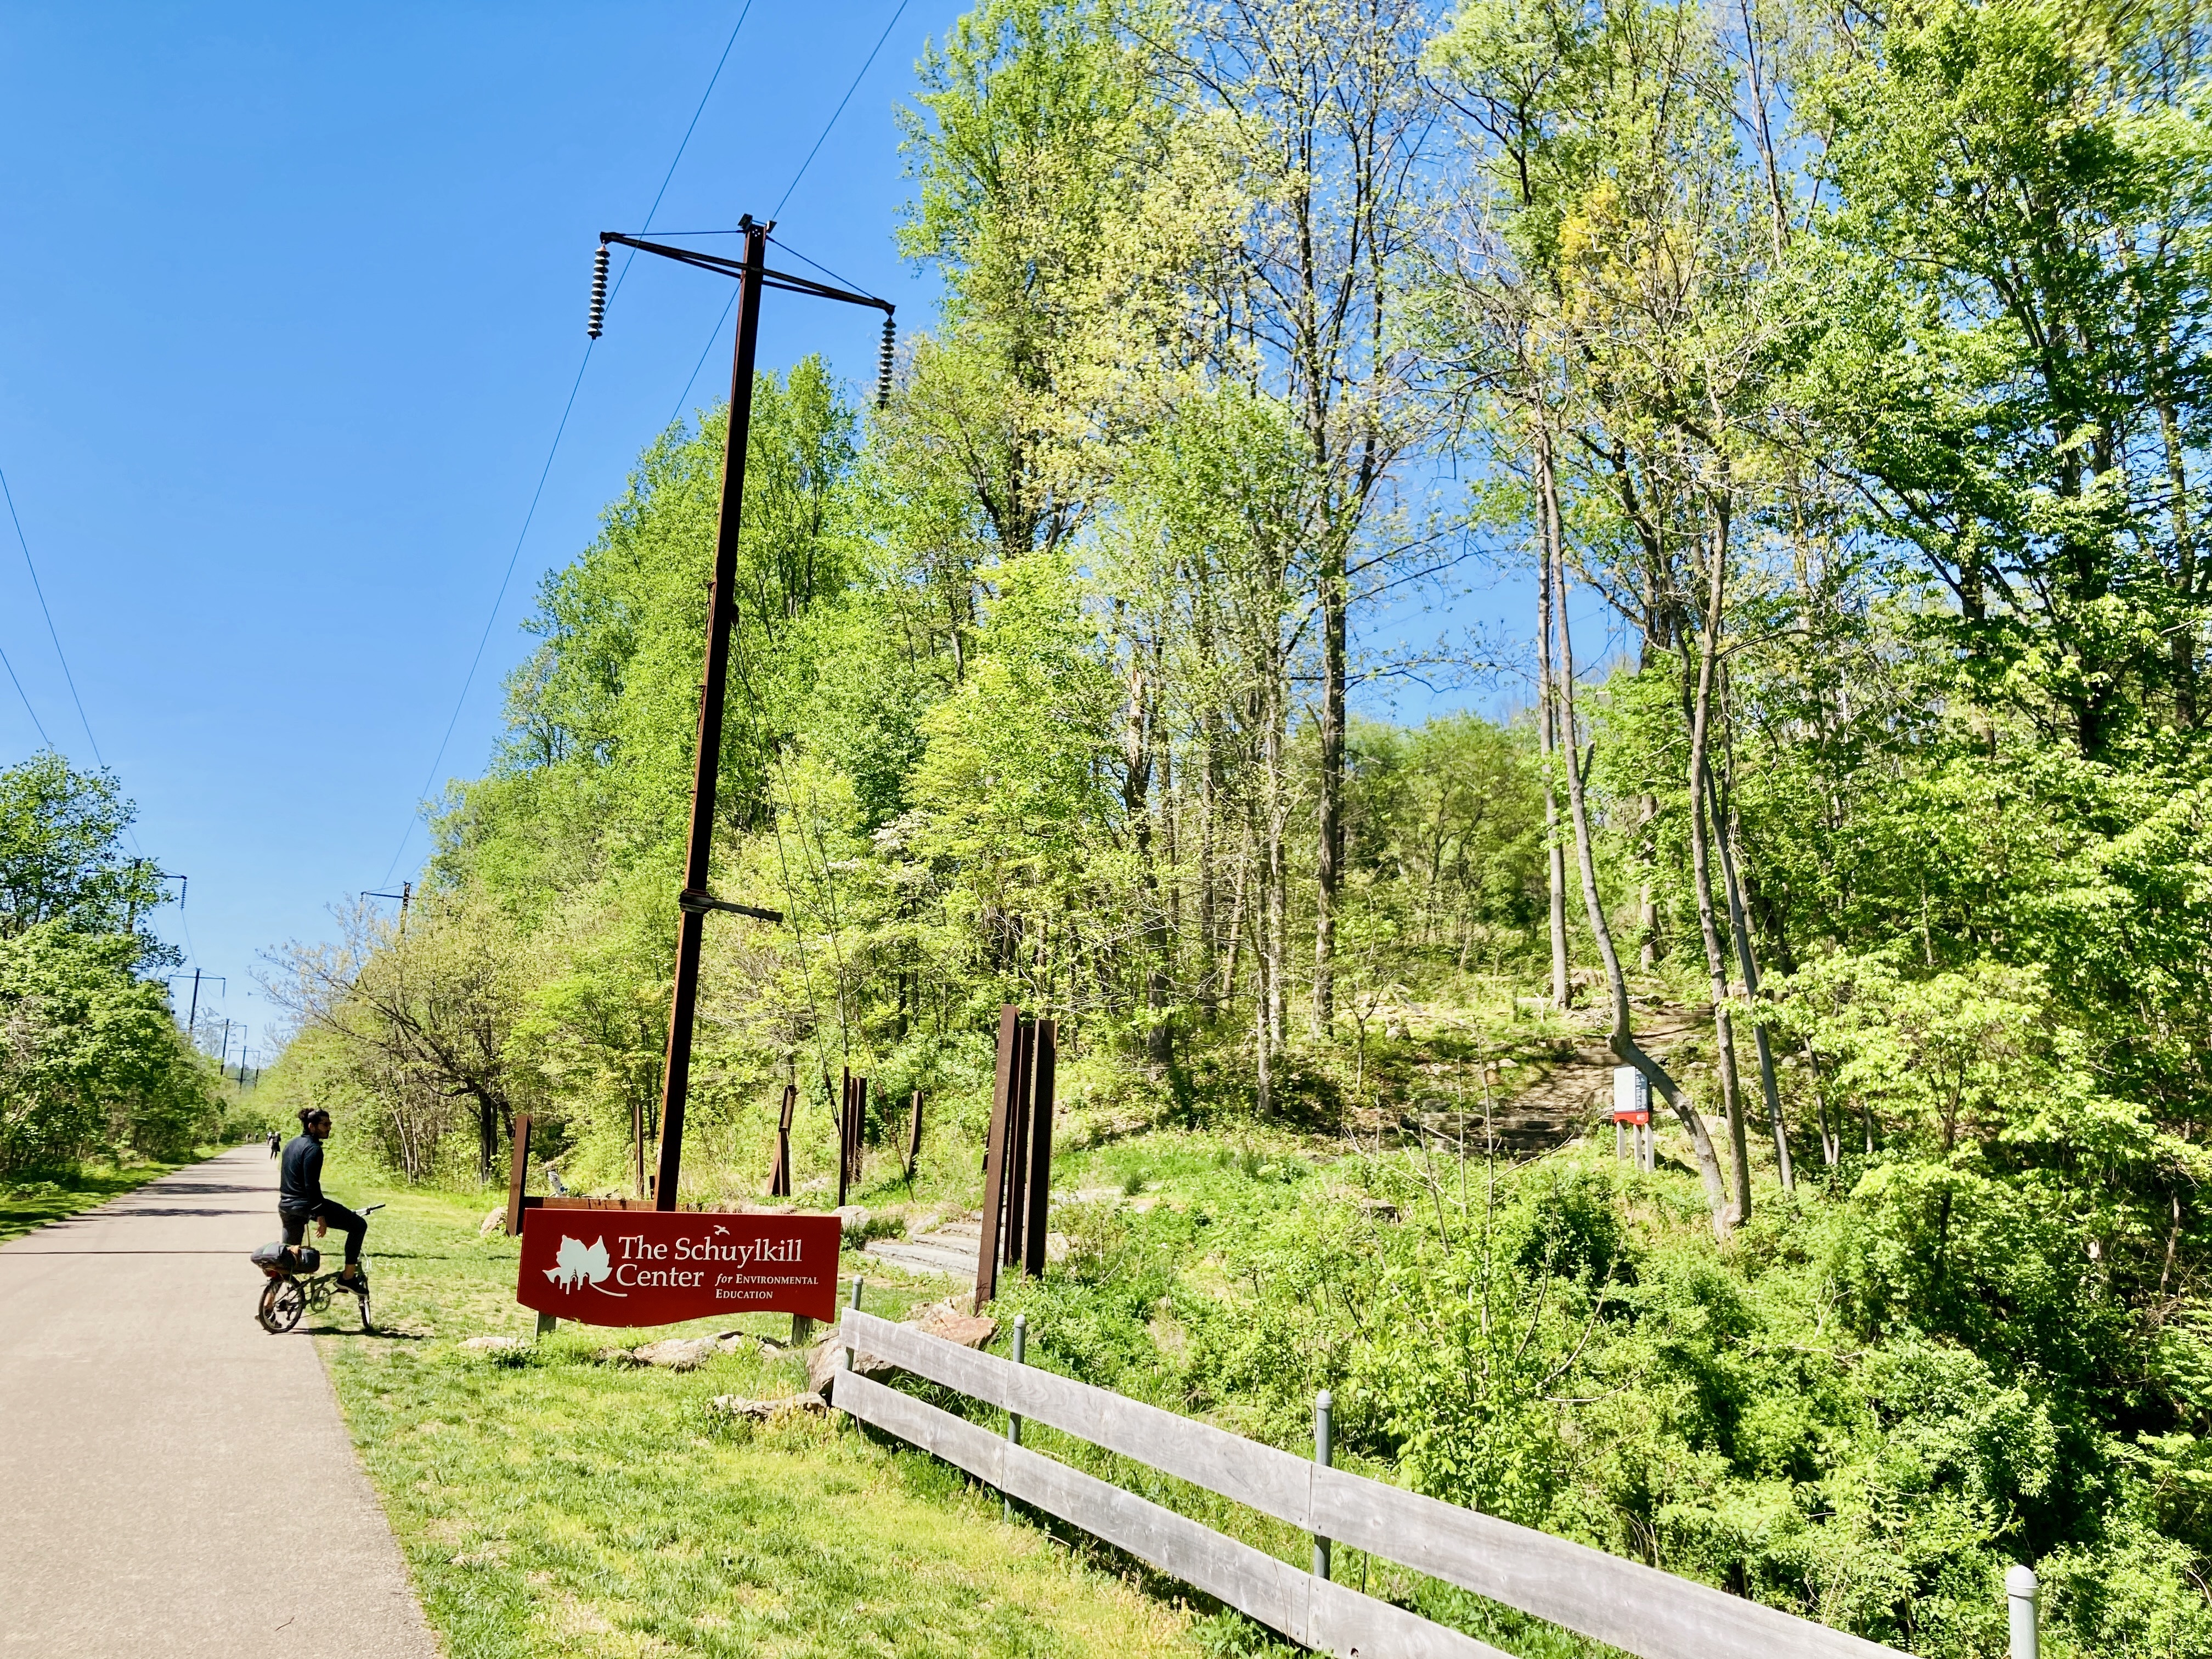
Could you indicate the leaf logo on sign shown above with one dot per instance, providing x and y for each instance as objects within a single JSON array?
[{"x": 579, "y": 1263}]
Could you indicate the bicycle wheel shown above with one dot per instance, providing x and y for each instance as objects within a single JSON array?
[
  {"x": 363, "y": 1299},
  {"x": 283, "y": 1302}
]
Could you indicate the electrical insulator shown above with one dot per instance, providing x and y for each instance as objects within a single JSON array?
[
  {"x": 884, "y": 363},
  {"x": 599, "y": 291}
]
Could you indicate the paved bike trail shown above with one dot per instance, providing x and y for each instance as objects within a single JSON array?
[{"x": 173, "y": 1480}]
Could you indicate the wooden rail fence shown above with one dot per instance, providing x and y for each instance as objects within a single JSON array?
[{"x": 1624, "y": 1603}]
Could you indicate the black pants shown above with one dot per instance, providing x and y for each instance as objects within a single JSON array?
[{"x": 355, "y": 1227}]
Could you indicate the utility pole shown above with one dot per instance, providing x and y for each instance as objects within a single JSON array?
[
  {"x": 405, "y": 894},
  {"x": 192, "y": 1017},
  {"x": 691, "y": 924},
  {"x": 697, "y": 899},
  {"x": 183, "y": 885}
]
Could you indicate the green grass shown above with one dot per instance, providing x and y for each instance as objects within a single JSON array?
[
  {"x": 28, "y": 1203},
  {"x": 550, "y": 1503}
]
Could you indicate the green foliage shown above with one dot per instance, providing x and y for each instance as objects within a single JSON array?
[
  {"x": 1864, "y": 359},
  {"x": 91, "y": 1061}
]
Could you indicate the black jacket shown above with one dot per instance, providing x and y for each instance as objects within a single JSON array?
[{"x": 299, "y": 1183}]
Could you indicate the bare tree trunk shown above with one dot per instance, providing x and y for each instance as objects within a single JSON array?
[
  {"x": 1209, "y": 877},
  {"x": 1748, "y": 966},
  {"x": 1832, "y": 1136},
  {"x": 1623, "y": 1039},
  {"x": 1548, "y": 741},
  {"x": 1329, "y": 855},
  {"x": 1647, "y": 907},
  {"x": 1701, "y": 873}
]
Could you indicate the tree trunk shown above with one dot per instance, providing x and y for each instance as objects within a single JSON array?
[
  {"x": 1329, "y": 855},
  {"x": 1548, "y": 741},
  {"x": 1701, "y": 875},
  {"x": 1647, "y": 907},
  {"x": 1622, "y": 1039},
  {"x": 1748, "y": 966}
]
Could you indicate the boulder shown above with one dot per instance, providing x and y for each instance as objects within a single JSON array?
[
  {"x": 492, "y": 1222},
  {"x": 494, "y": 1344},
  {"x": 945, "y": 1322},
  {"x": 853, "y": 1219},
  {"x": 677, "y": 1353}
]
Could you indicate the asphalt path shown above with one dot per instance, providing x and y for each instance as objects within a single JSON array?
[{"x": 173, "y": 1480}]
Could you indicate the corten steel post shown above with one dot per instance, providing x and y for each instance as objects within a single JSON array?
[
  {"x": 779, "y": 1169},
  {"x": 1047, "y": 1063},
  {"x": 691, "y": 925},
  {"x": 844, "y": 1137},
  {"x": 518, "y": 1173},
  {"x": 1018, "y": 1144},
  {"x": 859, "y": 1126},
  {"x": 994, "y": 1159}
]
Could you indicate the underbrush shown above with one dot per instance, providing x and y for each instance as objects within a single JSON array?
[
  {"x": 1817, "y": 1415},
  {"x": 1887, "y": 1387}
]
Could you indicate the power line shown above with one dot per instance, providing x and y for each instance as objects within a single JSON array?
[
  {"x": 499, "y": 599},
  {"x": 130, "y": 834},
  {"x": 675, "y": 414},
  {"x": 820, "y": 266},
  {"x": 867, "y": 64},
  {"x": 26, "y": 696},
  {"x": 68, "y": 678},
  {"x": 839, "y": 110},
  {"x": 469, "y": 679}
]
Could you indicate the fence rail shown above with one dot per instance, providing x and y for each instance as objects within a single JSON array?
[{"x": 1625, "y": 1604}]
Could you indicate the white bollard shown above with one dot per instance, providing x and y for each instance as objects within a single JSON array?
[{"x": 2025, "y": 1602}]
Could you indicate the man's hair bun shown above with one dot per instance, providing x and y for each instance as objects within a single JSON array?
[{"x": 309, "y": 1115}]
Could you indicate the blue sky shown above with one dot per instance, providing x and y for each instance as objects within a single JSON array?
[{"x": 294, "y": 299}]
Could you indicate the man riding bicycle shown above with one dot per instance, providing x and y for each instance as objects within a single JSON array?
[{"x": 300, "y": 1196}]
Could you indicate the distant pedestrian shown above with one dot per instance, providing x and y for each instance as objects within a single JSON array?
[{"x": 276, "y": 1145}]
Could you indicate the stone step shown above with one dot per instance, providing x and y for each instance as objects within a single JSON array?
[{"x": 926, "y": 1255}]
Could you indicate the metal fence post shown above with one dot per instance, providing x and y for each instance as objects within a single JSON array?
[
  {"x": 1323, "y": 1404},
  {"x": 1014, "y": 1423},
  {"x": 2026, "y": 1604}
]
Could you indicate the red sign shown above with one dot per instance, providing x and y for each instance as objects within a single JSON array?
[
  {"x": 1631, "y": 1117},
  {"x": 661, "y": 1266}
]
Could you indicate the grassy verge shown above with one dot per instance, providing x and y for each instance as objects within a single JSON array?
[
  {"x": 31, "y": 1204},
  {"x": 549, "y": 1501}
]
